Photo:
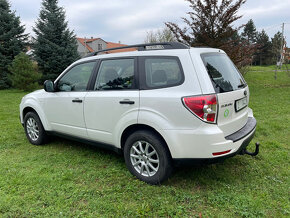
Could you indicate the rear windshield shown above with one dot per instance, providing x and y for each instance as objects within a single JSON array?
[{"x": 223, "y": 73}]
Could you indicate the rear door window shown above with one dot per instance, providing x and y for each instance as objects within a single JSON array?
[
  {"x": 223, "y": 73},
  {"x": 116, "y": 74},
  {"x": 161, "y": 72}
]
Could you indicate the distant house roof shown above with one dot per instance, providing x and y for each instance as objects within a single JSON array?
[
  {"x": 114, "y": 45},
  {"x": 84, "y": 42}
]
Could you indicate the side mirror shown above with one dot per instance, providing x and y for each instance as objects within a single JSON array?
[{"x": 48, "y": 86}]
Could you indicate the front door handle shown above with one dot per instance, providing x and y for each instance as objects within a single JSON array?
[
  {"x": 77, "y": 101},
  {"x": 127, "y": 102}
]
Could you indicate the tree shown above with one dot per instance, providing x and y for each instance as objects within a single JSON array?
[
  {"x": 12, "y": 41},
  {"x": 276, "y": 47},
  {"x": 249, "y": 33},
  {"x": 210, "y": 23},
  {"x": 24, "y": 73},
  {"x": 55, "y": 45},
  {"x": 264, "y": 53},
  {"x": 161, "y": 35}
]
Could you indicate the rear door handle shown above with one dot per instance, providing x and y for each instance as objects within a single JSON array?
[
  {"x": 127, "y": 102},
  {"x": 77, "y": 100}
]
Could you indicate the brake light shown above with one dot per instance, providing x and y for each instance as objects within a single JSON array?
[{"x": 205, "y": 107}]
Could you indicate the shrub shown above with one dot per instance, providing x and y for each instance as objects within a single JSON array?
[{"x": 24, "y": 73}]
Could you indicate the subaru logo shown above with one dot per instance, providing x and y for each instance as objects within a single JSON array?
[{"x": 245, "y": 92}]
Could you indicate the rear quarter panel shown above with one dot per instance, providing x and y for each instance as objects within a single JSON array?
[{"x": 162, "y": 108}]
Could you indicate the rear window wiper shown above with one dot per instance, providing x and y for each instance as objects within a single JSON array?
[{"x": 241, "y": 85}]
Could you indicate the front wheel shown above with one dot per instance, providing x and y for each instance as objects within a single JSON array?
[
  {"x": 147, "y": 157},
  {"x": 34, "y": 130}
]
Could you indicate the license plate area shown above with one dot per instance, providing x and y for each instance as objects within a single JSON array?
[{"x": 241, "y": 104}]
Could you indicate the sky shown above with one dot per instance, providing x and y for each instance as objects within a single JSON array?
[{"x": 128, "y": 21}]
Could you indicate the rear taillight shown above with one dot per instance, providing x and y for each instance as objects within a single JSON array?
[{"x": 205, "y": 107}]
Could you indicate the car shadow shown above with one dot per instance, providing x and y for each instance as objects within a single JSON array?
[
  {"x": 83, "y": 147},
  {"x": 230, "y": 171}
]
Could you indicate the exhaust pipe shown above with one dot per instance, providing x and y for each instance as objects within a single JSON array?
[{"x": 252, "y": 153}]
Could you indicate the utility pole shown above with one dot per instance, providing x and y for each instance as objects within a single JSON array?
[
  {"x": 85, "y": 41},
  {"x": 282, "y": 46}
]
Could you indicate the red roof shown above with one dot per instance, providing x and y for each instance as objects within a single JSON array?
[
  {"x": 82, "y": 41},
  {"x": 114, "y": 45},
  {"x": 109, "y": 45}
]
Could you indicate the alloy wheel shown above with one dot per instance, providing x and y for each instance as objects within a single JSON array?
[
  {"x": 144, "y": 158},
  {"x": 32, "y": 129}
]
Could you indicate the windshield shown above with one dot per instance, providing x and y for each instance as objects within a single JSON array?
[{"x": 223, "y": 73}]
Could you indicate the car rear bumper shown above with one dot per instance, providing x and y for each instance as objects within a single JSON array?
[
  {"x": 243, "y": 132},
  {"x": 190, "y": 161},
  {"x": 205, "y": 144}
]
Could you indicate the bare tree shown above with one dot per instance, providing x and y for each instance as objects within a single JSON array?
[{"x": 161, "y": 35}]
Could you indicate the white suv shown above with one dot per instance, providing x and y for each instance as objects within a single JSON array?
[{"x": 163, "y": 104}]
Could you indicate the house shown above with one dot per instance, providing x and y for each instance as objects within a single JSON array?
[
  {"x": 287, "y": 53},
  {"x": 86, "y": 46}
]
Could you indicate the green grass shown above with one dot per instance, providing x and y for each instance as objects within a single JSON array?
[
  {"x": 67, "y": 178},
  {"x": 269, "y": 68}
]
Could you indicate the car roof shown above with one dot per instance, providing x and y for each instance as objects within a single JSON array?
[{"x": 153, "y": 52}]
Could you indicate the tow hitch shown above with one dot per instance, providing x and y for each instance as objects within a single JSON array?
[{"x": 244, "y": 151}]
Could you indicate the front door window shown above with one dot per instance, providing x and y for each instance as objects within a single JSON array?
[{"x": 77, "y": 78}]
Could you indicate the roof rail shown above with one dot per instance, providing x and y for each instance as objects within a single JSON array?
[{"x": 143, "y": 47}]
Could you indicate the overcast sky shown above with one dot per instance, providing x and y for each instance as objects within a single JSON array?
[{"x": 129, "y": 20}]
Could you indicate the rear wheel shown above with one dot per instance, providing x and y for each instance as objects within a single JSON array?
[
  {"x": 147, "y": 157},
  {"x": 34, "y": 130}
]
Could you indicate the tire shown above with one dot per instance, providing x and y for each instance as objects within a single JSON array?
[
  {"x": 146, "y": 167},
  {"x": 34, "y": 130}
]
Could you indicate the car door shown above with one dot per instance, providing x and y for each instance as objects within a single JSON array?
[
  {"x": 113, "y": 101},
  {"x": 64, "y": 108}
]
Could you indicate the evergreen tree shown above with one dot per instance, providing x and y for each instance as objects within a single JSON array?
[
  {"x": 264, "y": 53},
  {"x": 236, "y": 36},
  {"x": 24, "y": 74},
  {"x": 210, "y": 23},
  {"x": 55, "y": 45},
  {"x": 12, "y": 41},
  {"x": 249, "y": 33}
]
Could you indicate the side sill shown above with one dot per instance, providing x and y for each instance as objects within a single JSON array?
[{"x": 87, "y": 141}]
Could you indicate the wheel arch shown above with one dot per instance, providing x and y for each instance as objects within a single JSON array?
[
  {"x": 135, "y": 127},
  {"x": 26, "y": 110},
  {"x": 29, "y": 108}
]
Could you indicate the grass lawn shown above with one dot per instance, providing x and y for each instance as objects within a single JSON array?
[
  {"x": 270, "y": 68},
  {"x": 67, "y": 178}
]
